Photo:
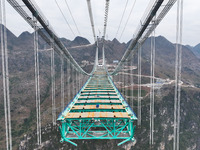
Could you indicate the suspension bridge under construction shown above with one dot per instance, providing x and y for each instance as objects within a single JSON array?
[{"x": 98, "y": 110}]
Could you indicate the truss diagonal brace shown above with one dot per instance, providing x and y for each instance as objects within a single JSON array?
[{"x": 65, "y": 139}]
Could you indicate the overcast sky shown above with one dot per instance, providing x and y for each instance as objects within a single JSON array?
[{"x": 191, "y": 26}]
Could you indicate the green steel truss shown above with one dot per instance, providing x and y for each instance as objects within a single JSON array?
[
  {"x": 102, "y": 128},
  {"x": 112, "y": 119}
]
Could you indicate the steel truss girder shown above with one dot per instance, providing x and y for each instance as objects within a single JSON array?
[{"x": 99, "y": 128}]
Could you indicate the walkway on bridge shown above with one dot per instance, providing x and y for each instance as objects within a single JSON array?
[{"x": 98, "y": 111}]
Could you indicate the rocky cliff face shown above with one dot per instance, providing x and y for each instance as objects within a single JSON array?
[
  {"x": 22, "y": 89},
  {"x": 163, "y": 134}
]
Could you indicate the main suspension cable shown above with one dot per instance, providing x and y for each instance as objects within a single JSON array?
[
  {"x": 91, "y": 19},
  {"x": 106, "y": 17}
]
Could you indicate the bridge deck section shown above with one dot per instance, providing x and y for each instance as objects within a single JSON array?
[{"x": 98, "y": 104}]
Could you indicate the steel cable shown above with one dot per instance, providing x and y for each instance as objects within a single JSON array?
[
  {"x": 72, "y": 17},
  {"x": 37, "y": 83},
  {"x": 91, "y": 19},
  {"x": 121, "y": 18},
  {"x": 127, "y": 19},
  {"x": 152, "y": 92},
  {"x": 178, "y": 61},
  {"x": 53, "y": 83},
  {"x": 62, "y": 82},
  {"x": 139, "y": 84},
  {"x": 5, "y": 73},
  {"x": 106, "y": 17},
  {"x": 64, "y": 17}
]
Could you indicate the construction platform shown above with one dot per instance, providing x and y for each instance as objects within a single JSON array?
[{"x": 98, "y": 111}]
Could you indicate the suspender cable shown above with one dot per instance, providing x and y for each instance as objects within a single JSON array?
[
  {"x": 106, "y": 17},
  {"x": 73, "y": 83},
  {"x": 5, "y": 73},
  {"x": 103, "y": 54},
  {"x": 152, "y": 82},
  {"x": 72, "y": 17},
  {"x": 139, "y": 84},
  {"x": 97, "y": 55},
  {"x": 79, "y": 82},
  {"x": 62, "y": 82},
  {"x": 64, "y": 17},
  {"x": 37, "y": 84},
  {"x": 121, "y": 82},
  {"x": 178, "y": 66},
  {"x": 127, "y": 19},
  {"x": 129, "y": 82},
  {"x": 91, "y": 19},
  {"x": 132, "y": 84},
  {"x": 53, "y": 84},
  {"x": 126, "y": 78},
  {"x": 76, "y": 80},
  {"x": 69, "y": 79},
  {"x": 151, "y": 87},
  {"x": 73, "y": 76},
  {"x": 121, "y": 18},
  {"x": 118, "y": 80},
  {"x": 81, "y": 79},
  {"x": 78, "y": 85}
]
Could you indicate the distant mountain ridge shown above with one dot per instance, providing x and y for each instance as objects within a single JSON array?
[
  {"x": 195, "y": 49},
  {"x": 22, "y": 87},
  {"x": 165, "y": 52}
]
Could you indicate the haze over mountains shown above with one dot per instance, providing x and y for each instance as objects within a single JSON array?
[
  {"x": 22, "y": 89},
  {"x": 195, "y": 49}
]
